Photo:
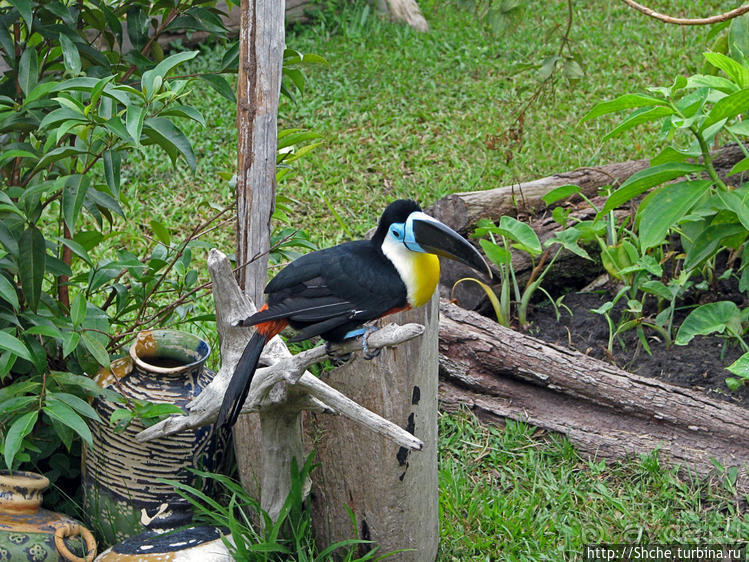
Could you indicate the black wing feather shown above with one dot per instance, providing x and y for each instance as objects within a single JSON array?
[{"x": 332, "y": 291}]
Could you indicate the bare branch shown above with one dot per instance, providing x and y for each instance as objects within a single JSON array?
[{"x": 688, "y": 21}]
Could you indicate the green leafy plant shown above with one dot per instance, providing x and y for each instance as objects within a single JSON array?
[
  {"x": 512, "y": 233},
  {"x": 254, "y": 535},
  {"x": 685, "y": 198},
  {"x": 83, "y": 93}
]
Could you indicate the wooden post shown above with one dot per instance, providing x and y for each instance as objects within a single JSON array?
[
  {"x": 261, "y": 44},
  {"x": 392, "y": 492}
]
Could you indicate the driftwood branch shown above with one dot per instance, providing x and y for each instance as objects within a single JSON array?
[
  {"x": 231, "y": 306},
  {"x": 605, "y": 411}
]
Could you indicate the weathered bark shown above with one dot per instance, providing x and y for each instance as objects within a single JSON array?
[
  {"x": 392, "y": 493},
  {"x": 606, "y": 412}
]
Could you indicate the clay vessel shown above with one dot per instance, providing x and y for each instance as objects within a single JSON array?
[
  {"x": 29, "y": 532},
  {"x": 120, "y": 474}
]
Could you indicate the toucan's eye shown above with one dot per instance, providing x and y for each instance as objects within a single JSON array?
[{"x": 396, "y": 233}]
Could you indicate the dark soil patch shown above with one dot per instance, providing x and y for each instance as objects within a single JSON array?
[{"x": 699, "y": 365}]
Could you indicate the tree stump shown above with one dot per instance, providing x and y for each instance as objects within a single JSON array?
[{"x": 393, "y": 493}]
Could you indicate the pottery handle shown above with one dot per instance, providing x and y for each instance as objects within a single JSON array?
[{"x": 73, "y": 530}]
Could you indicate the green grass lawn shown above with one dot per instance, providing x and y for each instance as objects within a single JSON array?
[{"x": 405, "y": 114}]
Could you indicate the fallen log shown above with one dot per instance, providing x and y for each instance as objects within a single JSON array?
[
  {"x": 605, "y": 411},
  {"x": 461, "y": 211}
]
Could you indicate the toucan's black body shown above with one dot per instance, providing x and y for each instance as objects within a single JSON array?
[{"x": 331, "y": 292}]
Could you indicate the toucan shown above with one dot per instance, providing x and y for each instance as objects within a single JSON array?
[{"x": 333, "y": 292}]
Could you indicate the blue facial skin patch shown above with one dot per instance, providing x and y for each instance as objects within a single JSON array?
[{"x": 409, "y": 238}]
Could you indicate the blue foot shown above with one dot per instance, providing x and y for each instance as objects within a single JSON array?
[{"x": 364, "y": 332}]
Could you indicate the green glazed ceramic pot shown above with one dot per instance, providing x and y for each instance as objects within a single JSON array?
[
  {"x": 120, "y": 474},
  {"x": 28, "y": 532}
]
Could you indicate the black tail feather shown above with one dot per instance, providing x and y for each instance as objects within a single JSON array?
[{"x": 239, "y": 386}]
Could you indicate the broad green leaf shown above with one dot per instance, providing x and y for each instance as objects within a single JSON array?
[
  {"x": 495, "y": 253},
  {"x": 60, "y": 411},
  {"x": 184, "y": 111},
  {"x": 708, "y": 319},
  {"x": 19, "y": 429},
  {"x": 568, "y": 239},
  {"x": 657, "y": 288},
  {"x": 740, "y": 166},
  {"x": 521, "y": 233},
  {"x": 70, "y": 56},
  {"x": 640, "y": 116},
  {"x": 73, "y": 197},
  {"x": 163, "y": 132},
  {"x": 8, "y": 155},
  {"x": 714, "y": 82},
  {"x": 134, "y": 121},
  {"x": 735, "y": 70},
  {"x": 24, "y": 8},
  {"x": 120, "y": 415},
  {"x": 149, "y": 81},
  {"x": 560, "y": 193},
  {"x": 220, "y": 84},
  {"x": 96, "y": 349},
  {"x": 645, "y": 179},
  {"x": 740, "y": 128},
  {"x": 28, "y": 70},
  {"x": 76, "y": 248},
  {"x": 14, "y": 345},
  {"x": 159, "y": 410},
  {"x": 70, "y": 342},
  {"x": 78, "y": 404},
  {"x": 112, "y": 166},
  {"x": 97, "y": 90},
  {"x": 8, "y": 292},
  {"x": 78, "y": 309},
  {"x": 161, "y": 232},
  {"x": 58, "y": 116},
  {"x": 59, "y": 153},
  {"x": 671, "y": 154},
  {"x": 627, "y": 101},
  {"x": 116, "y": 126},
  {"x": 663, "y": 208},
  {"x": 31, "y": 264},
  {"x": 49, "y": 330},
  {"x": 736, "y": 202},
  {"x": 740, "y": 367},
  {"x": 708, "y": 242},
  {"x": 727, "y": 108},
  {"x": 86, "y": 384}
]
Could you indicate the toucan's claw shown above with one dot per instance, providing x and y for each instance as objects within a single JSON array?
[
  {"x": 336, "y": 358},
  {"x": 369, "y": 355}
]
